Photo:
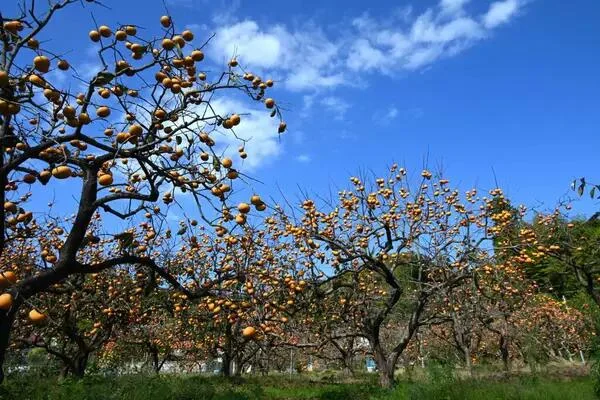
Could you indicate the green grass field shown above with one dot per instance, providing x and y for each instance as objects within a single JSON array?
[{"x": 166, "y": 387}]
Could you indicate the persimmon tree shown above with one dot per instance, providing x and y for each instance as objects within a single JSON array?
[
  {"x": 502, "y": 285},
  {"x": 152, "y": 332},
  {"x": 142, "y": 129},
  {"x": 327, "y": 321},
  {"x": 459, "y": 310},
  {"x": 551, "y": 330},
  {"x": 502, "y": 298},
  {"x": 254, "y": 286},
  {"x": 320, "y": 327},
  {"x": 396, "y": 246},
  {"x": 574, "y": 246},
  {"x": 81, "y": 315}
]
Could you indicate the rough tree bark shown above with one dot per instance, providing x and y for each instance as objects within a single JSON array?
[
  {"x": 504, "y": 352},
  {"x": 468, "y": 362},
  {"x": 156, "y": 364},
  {"x": 6, "y": 321},
  {"x": 80, "y": 364},
  {"x": 226, "y": 365}
]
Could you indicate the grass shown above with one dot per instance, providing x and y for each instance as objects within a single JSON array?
[{"x": 178, "y": 387}]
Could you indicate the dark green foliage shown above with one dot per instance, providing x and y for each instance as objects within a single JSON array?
[
  {"x": 438, "y": 385},
  {"x": 564, "y": 273}
]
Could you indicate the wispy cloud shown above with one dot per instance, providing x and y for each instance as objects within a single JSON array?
[
  {"x": 256, "y": 127},
  {"x": 335, "y": 105},
  {"x": 303, "y": 158},
  {"x": 314, "y": 61},
  {"x": 303, "y": 58},
  {"x": 307, "y": 59},
  {"x": 500, "y": 12},
  {"x": 392, "y": 113},
  {"x": 386, "y": 116},
  {"x": 453, "y": 6}
]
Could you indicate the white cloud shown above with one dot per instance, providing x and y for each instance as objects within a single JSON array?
[
  {"x": 308, "y": 101},
  {"x": 303, "y": 158},
  {"x": 392, "y": 113},
  {"x": 305, "y": 57},
  {"x": 365, "y": 56},
  {"x": 500, "y": 12},
  {"x": 404, "y": 13},
  {"x": 256, "y": 48},
  {"x": 311, "y": 78},
  {"x": 257, "y": 127},
  {"x": 198, "y": 27},
  {"x": 452, "y": 6},
  {"x": 385, "y": 117},
  {"x": 336, "y": 105},
  {"x": 443, "y": 31},
  {"x": 423, "y": 56}
]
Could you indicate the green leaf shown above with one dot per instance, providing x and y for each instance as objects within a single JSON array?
[{"x": 103, "y": 78}]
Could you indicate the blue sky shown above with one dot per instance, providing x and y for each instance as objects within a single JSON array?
[{"x": 486, "y": 90}]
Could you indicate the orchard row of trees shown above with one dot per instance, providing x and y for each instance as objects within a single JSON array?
[
  {"x": 401, "y": 276},
  {"x": 395, "y": 268}
]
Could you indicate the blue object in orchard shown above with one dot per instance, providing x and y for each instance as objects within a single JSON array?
[{"x": 370, "y": 365}]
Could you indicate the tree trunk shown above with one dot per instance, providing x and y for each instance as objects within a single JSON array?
[
  {"x": 6, "y": 321},
  {"x": 155, "y": 361},
  {"x": 80, "y": 364},
  {"x": 64, "y": 371},
  {"x": 226, "y": 365},
  {"x": 468, "y": 362},
  {"x": 385, "y": 369},
  {"x": 348, "y": 370},
  {"x": 348, "y": 363},
  {"x": 386, "y": 377},
  {"x": 236, "y": 367},
  {"x": 504, "y": 352},
  {"x": 267, "y": 362}
]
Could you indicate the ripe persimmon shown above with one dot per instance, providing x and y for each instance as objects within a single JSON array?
[
  {"x": 226, "y": 162},
  {"x": 63, "y": 65},
  {"x": 103, "y": 112},
  {"x": 41, "y": 63},
  {"x": 244, "y": 208},
  {"x": 187, "y": 35},
  {"x": 249, "y": 331},
  {"x": 6, "y": 301},
  {"x": 7, "y": 278},
  {"x": 94, "y": 36},
  {"x": 165, "y": 21},
  {"x": 36, "y": 317},
  {"x": 105, "y": 31},
  {"x": 61, "y": 172},
  {"x": 105, "y": 179}
]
